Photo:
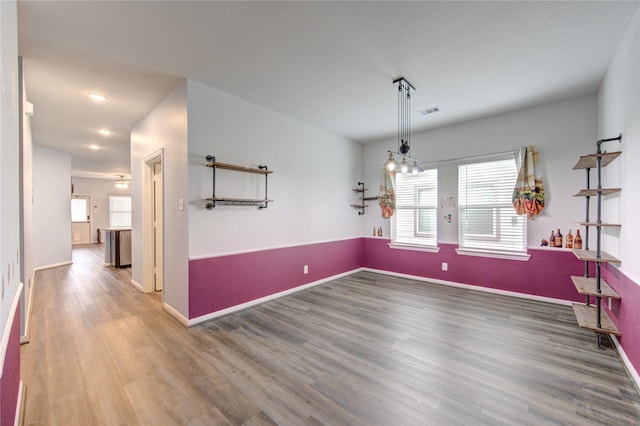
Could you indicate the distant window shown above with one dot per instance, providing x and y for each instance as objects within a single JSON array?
[
  {"x": 487, "y": 220},
  {"x": 415, "y": 221},
  {"x": 119, "y": 211}
]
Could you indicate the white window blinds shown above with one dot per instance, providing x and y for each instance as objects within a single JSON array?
[
  {"x": 487, "y": 220},
  {"x": 415, "y": 218},
  {"x": 120, "y": 211}
]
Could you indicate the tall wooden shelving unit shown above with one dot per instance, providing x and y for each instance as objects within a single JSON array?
[{"x": 589, "y": 316}]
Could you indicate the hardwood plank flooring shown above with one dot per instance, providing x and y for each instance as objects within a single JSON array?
[{"x": 367, "y": 349}]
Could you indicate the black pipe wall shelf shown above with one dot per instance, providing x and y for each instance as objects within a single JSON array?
[{"x": 213, "y": 201}]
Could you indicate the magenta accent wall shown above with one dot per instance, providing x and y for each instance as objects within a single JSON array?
[
  {"x": 625, "y": 312},
  {"x": 10, "y": 382},
  {"x": 217, "y": 283},
  {"x": 546, "y": 273}
]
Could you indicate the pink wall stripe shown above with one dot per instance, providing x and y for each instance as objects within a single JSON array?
[
  {"x": 545, "y": 274},
  {"x": 10, "y": 381},
  {"x": 626, "y": 312},
  {"x": 221, "y": 282}
]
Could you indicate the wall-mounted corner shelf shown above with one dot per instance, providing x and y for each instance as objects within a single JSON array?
[
  {"x": 213, "y": 201},
  {"x": 594, "y": 317},
  {"x": 360, "y": 204}
]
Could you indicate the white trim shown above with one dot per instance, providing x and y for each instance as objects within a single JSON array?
[
  {"x": 414, "y": 247},
  {"x": 177, "y": 315},
  {"x": 627, "y": 363},
  {"x": 6, "y": 333},
  {"x": 136, "y": 285},
  {"x": 27, "y": 319},
  {"x": 231, "y": 253},
  {"x": 19, "y": 404},
  {"x": 236, "y": 308},
  {"x": 475, "y": 287},
  {"x": 523, "y": 257},
  {"x": 53, "y": 265}
]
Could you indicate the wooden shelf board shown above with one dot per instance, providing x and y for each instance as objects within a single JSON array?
[
  {"x": 590, "y": 161},
  {"x": 586, "y": 316},
  {"x": 594, "y": 192},
  {"x": 359, "y": 206},
  {"x": 590, "y": 256},
  {"x": 370, "y": 198},
  {"x": 233, "y": 167},
  {"x": 587, "y": 287},
  {"x": 360, "y": 189},
  {"x": 598, "y": 224}
]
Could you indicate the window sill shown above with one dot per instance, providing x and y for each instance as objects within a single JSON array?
[
  {"x": 404, "y": 246},
  {"x": 524, "y": 257}
]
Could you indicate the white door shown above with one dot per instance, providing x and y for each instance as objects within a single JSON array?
[
  {"x": 157, "y": 226},
  {"x": 80, "y": 219}
]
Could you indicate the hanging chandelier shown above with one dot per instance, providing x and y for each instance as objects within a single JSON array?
[
  {"x": 121, "y": 183},
  {"x": 404, "y": 132}
]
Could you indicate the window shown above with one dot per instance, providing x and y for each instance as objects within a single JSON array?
[
  {"x": 415, "y": 219},
  {"x": 487, "y": 220},
  {"x": 120, "y": 211}
]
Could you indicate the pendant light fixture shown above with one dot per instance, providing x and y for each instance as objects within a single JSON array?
[
  {"x": 404, "y": 131},
  {"x": 121, "y": 183}
]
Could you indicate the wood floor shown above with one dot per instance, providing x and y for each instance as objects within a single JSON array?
[{"x": 367, "y": 349}]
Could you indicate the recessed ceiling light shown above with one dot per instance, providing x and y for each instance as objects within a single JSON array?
[
  {"x": 105, "y": 132},
  {"x": 94, "y": 147},
  {"x": 97, "y": 97}
]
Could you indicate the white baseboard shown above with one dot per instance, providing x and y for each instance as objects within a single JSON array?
[
  {"x": 474, "y": 287},
  {"x": 627, "y": 363},
  {"x": 136, "y": 285},
  {"x": 236, "y": 308},
  {"x": 177, "y": 315},
  {"x": 20, "y": 405},
  {"x": 53, "y": 265}
]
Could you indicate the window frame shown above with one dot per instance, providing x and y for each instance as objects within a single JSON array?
[
  {"x": 489, "y": 244},
  {"x": 417, "y": 240}
]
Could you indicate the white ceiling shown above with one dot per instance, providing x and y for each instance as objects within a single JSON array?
[{"x": 330, "y": 64}]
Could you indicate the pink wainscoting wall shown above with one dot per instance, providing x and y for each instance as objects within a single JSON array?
[
  {"x": 626, "y": 313},
  {"x": 545, "y": 274},
  {"x": 10, "y": 381},
  {"x": 221, "y": 282}
]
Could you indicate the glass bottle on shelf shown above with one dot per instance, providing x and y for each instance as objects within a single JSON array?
[
  {"x": 558, "y": 239},
  {"x": 569, "y": 241},
  {"x": 577, "y": 242},
  {"x": 552, "y": 239}
]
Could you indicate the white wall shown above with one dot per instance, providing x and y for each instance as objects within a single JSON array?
[
  {"x": 27, "y": 215},
  {"x": 314, "y": 173},
  {"x": 99, "y": 191},
  {"x": 619, "y": 112},
  {"x": 10, "y": 260},
  {"x": 561, "y": 130},
  {"x": 52, "y": 207},
  {"x": 164, "y": 128}
]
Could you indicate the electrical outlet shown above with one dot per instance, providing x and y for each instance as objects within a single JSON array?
[
  {"x": 306, "y": 269},
  {"x": 445, "y": 266}
]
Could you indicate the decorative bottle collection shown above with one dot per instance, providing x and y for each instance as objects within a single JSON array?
[
  {"x": 377, "y": 231},
  {"x": 557, "y": 240}
]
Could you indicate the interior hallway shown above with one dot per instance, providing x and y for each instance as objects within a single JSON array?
[{"x": 364, "y": 350}]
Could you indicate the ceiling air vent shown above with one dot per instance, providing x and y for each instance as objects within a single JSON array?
[{"x": 428, "y": 111}]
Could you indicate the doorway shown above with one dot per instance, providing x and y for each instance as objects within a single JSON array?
[
  {"x": 80, "y": 219},
  {"x": 153, "y": 223}
]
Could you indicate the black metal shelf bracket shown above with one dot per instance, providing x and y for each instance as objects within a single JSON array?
[{"x": 224, "y": 201}]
